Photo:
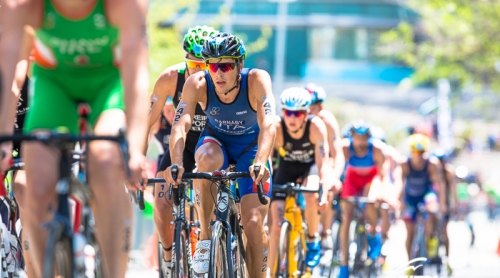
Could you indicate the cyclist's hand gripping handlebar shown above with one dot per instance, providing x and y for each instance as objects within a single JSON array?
[{"x": 260, "y": 189}]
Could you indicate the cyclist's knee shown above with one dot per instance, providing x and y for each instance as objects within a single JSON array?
[
  {"x": 252, "y": 222},
  {"x": 311, "y": 199},
  {"x": 209, "y": 157},
  {"x": 105, "y": 157}
]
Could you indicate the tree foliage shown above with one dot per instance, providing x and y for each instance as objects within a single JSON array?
[
  {"x": 456, "y": 39},
  {"x": 165, "y": 44}
]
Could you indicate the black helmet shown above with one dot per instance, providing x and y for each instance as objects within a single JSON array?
[{"x": 223, "y": 45}]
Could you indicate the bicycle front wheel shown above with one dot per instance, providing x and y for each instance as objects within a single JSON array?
[
  {"x": 218, "y": 253},
  {"x": 58, "y": 253},
  {"x": 282, "y": 261},
  {"x": 180, "y": 267}
]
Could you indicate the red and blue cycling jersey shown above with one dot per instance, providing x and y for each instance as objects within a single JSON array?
[{"x": 359, "y": 171}]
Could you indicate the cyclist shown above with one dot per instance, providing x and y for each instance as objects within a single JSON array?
[
  {"x": 77, "y": 52},
  {"x": 20, "y": 90},
  {"x": 239, "y": 105},
  {"x": 363, "y": 171},
  {"x": 302, "y": 144},
  {"x": 420, "y": 172},
  {"x": 318, "y": 96},
  {"x": 448, "y": 174},
  {"x": 170, "y": 84}
]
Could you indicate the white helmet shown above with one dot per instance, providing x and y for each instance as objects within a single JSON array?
[{"x": 295, "y": 99}]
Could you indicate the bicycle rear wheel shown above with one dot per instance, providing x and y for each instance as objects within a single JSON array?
[
  {"x": 218, "y": 253},
  {"x": 282, "y": 259},
  {"x": 180, "y": 266},
  {"x": 58, "y": 253}
]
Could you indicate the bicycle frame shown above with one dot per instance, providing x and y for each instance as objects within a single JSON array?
[
  {"x": 226, "y": 211},
  {"x": 293, "y": 216}
]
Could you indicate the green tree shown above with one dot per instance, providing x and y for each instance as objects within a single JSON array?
[
  {"x": 456, "y": 39},
  {"x": 165, "y": 44}
]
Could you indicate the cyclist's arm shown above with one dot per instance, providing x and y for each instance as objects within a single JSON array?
[
  {"x": 318, "y": 136},
  {"x": 262, "y": 98},
  {"x": 450, "y": 172},
  {"x": 379, "y": 158},
  {"x": 129, "y": 16},
  {"x": 163, "y": 88},
  {"x": 404, "y": 172},
  {"x": 195, "y": 86},
  {"x": 436, "y": 179},
  {"x": 13, "y": 16},
  {"x": 334, "y": 142},
  {"x": 22, "y": 66},
  {"x": 278, "y": 142}
]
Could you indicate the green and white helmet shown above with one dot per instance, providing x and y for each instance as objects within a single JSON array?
[{"x": 195, "y": 38}]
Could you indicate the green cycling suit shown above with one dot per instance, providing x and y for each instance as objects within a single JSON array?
[{"x": 76, "y": 60}]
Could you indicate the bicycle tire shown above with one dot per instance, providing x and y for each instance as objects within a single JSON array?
[
  {"x": 218, "y": 253},
  {"x": 301, "y": 262},
  {"x": 241, "y": 269},
  {"x": 58, "y": 260},
  {"x": 359, "y": 246},
  {"x": 282, "y": 259},
  {"x": 180, "y": 267},
  {"x": 419, "y": 250},
  {"x": 335, "y": 251},
  {"x": 160, "y": 260}
]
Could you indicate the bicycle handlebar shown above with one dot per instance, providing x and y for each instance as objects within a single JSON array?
[
  {"x": 294, "y": 187},
  {"x": 215, "y": 176}
]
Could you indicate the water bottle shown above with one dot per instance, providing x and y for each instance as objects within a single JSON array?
[{"x": 79, "y": 243}]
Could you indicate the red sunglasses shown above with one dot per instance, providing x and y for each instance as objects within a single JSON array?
[
  {"x": 297, "y": 114},
  {"x": 224, "y": 67}
]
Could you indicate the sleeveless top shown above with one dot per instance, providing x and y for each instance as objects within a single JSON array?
[
  {"x": 360, "y": 171},
  {"x": 236, "y": 121},
  {"x": 76, "y": 45},
  {"x": 418, "y": 182},
  {"x": 297, "y": 150},
  {"x": 200, "y": 119}
]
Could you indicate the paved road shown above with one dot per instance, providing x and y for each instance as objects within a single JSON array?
[{"x": 479, "y": 261}]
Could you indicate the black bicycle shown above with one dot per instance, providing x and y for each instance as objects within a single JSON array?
[
  {"x": 227, "y": 253},
  {"x": 332, "y": 257},
  {"x": 59, "y": 261}
]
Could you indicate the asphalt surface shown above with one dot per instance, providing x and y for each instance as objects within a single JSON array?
[{"x": 480, "y": 260}]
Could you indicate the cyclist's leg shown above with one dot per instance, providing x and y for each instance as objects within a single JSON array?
[
  {"x": 432, "y": 207},
  {"x": 277, "y": 214},
  {"x": 409, "y": 215},
  {"x": 111, "y": 203},
  {"x": 19, "y": 189},
  {"x": 373, "y": 236},
  {"x": 252, "y": 217},
  {"x": 312, "y": 218},
  {"x": 50, "y": 108},
  {"x": 347, "y": 214},
  {"x": 163, "y": 209},
  {"x": 210, "y": 156},
  {"x": 349, "y": 190}
]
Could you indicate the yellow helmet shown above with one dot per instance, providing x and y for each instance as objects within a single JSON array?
[{"x": 419, "y": 142}]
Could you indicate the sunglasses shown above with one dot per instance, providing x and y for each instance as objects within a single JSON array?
[
  {"x": 224, "y": 67},
  {"x": 297, "y": 114},
  {"x": 192, "y": 64}
]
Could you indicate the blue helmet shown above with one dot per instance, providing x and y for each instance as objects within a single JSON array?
[
  {"x": 318, "y": 94},
  {"x": 361, "y": 128},
  {"x": 295, "y": 99}
]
